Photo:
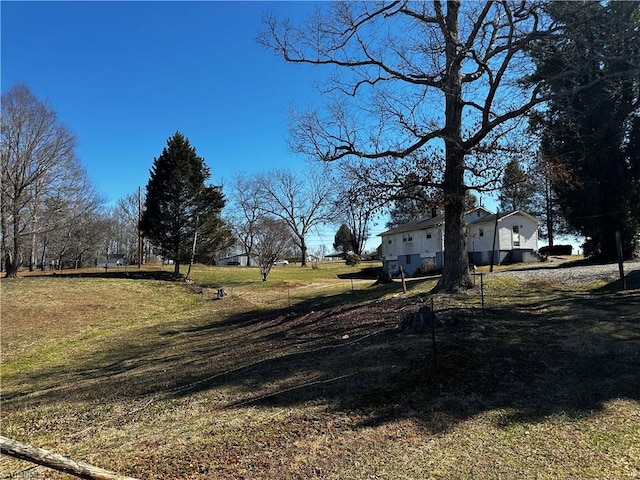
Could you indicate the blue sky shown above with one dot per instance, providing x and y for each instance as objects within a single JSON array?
[{"x": 124, "y": 76}]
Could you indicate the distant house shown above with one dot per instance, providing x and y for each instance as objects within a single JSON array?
[
  {"x": 334, "y": 257},
  {"x": 419, "y": 245},
  {"x": 240, "y": 260},
  {"x": 374, "y": 255},
  {"x": 111, "y": 261}
]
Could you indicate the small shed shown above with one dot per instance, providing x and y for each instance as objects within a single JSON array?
[{"x": 241, "y": 260}]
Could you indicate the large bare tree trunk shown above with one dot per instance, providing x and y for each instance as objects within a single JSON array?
[
  {"x": 12, "y": 262},
  {"x": 303, "y": 251},
  {"x": 456, "y": 261}
]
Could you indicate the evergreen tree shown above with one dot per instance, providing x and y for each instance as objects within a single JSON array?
[
  {"x": 214, "y": 233},
  {"x": 344, "y": 240},
  {"x": 590, "y": 125},
  {"x": 178, "y": 204},
  {"x": 517, "y": 190}
]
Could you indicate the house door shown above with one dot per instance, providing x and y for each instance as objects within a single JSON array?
[{"x": 516, "y": 236}]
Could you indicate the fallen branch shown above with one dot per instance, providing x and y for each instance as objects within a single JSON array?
[{"x": 52, "y": 460}]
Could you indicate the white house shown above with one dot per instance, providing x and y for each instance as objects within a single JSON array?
[{"x": 419, "y": 245}]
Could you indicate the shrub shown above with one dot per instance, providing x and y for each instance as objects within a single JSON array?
[
  {"x": 556, "y": 250},
  {"x": 352, "y": 259},
  {"x": 428, "y": 267}
]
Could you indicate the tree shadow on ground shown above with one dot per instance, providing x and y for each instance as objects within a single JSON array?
[
  {"x": 569, "y": 355},
  {"x": 632, "y": 282},
  {"x": 112, "y": 273},
  {"x": 367, "y": 273}
]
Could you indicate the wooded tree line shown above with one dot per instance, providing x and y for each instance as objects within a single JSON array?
[{"x": 429, "y": 105}]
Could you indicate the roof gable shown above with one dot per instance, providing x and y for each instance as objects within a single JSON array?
[
  {"x": 492, "y": 217},
  {"x": 417, "y": 225}
]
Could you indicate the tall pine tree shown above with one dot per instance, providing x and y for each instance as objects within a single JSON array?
[
  {"x": 178, "y": 203},
  {"x": 590, "y": 125},
  {"x": 344, "y": 240}
]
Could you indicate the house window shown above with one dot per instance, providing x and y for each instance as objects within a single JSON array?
[
  {"x": 428, "y": 235},
  {"x": 481, "y": 232},
  {"x": 516, "y": 236},
  {"x": 389, "y": 241},
  {"x": 407, "y": 237},
  {"x": 408, "y": 259}
]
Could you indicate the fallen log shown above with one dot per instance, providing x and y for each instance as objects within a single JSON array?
[{"x": 55, "y": 461}]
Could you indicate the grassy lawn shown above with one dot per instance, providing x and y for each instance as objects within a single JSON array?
[{"x": 306, "y": 376}]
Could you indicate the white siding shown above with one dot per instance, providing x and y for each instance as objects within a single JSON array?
[
  {"x": 432, "y": 245},
  {"x": 388, "y": 247},
  {"x": 527, "y": 233},
  {"x": 475, "y": 215},
  {"x": 411, "y": 243},
  {"x": 504, "y": 241},
  {"x": 477, "y": 243}
]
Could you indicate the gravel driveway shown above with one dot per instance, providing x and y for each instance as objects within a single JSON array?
[{"x": 577, "y": 274}]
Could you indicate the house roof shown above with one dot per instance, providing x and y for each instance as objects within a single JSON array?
[
  {"x": 421, "y": 224},
  {"x": 492, "y": 217},
  {"x": 479, "y": 210}
]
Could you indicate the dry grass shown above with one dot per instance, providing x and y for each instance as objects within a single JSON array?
[{"x": 157, "y": 379}]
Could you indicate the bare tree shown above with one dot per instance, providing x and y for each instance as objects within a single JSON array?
[
  {"x": 246, "y": 212},
  {"x": 429, "y": 82},
  {"x": 355, "y": 206},
  {"x": 128, "y": 212},
  {"x": 303, "y": 201},
  {"x": 546, "y": 175},
  {"x": 78, "y": 209},
  {"x": 88, "y": 236},
  {"x": 272, "y": 238},
  {"x": 38, "y": 166}
]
